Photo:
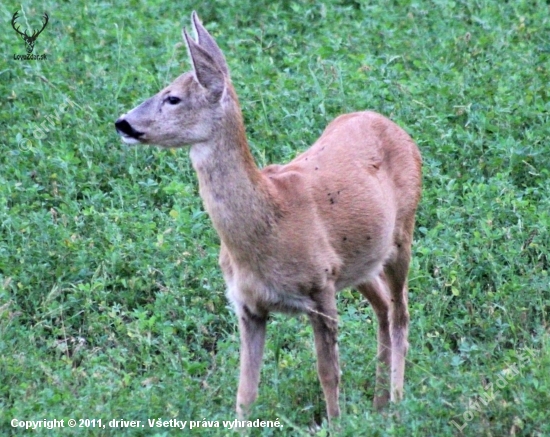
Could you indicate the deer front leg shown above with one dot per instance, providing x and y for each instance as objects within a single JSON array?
[
  {"x": 324, "y": 320},
  {"x": 252, "y": 331}
]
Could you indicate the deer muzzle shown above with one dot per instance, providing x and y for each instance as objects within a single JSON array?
[{"x": 128, "y": 134}]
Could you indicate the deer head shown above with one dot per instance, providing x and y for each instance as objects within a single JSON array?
[
  {"x": 188, "y": 110},
  {"x": 29, "y": 39}
]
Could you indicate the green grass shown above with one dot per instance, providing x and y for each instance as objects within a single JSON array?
[{"x": 111, "y": 301}]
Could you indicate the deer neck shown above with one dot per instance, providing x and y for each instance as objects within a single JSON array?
[{"x": 235, "y": 193}]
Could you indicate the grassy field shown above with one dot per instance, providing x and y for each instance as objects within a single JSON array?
[{"x": 112, "y": 304}]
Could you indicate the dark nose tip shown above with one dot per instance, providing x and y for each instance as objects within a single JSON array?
[
  {"x": 122, "y": 126},
  {"x": 125, "y": 128}
]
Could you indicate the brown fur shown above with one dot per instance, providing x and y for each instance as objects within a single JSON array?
[{"x": 339, "y": 215}]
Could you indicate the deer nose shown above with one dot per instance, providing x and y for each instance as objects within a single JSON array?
[{"x": 125, "y": 128}]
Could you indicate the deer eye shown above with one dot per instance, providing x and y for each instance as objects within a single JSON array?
[{"x": 173, "y": 100}]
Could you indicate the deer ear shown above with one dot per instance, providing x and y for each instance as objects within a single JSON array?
[
  {"x": 207, "y": 71},
  {"x": 208, "y": 43}
]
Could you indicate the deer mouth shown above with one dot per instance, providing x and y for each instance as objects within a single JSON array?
[{"x": 128, "y": 134}]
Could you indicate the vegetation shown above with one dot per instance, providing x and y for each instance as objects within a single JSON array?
[{"x": 112, "y": 305}]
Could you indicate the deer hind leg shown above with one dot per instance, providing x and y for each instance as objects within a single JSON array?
[
  {"x": 324, "y": 319},
  {"x": 376, "y": 293},
  {"x": 396, "y": 271},
  {"x": 252, "y": 332}
]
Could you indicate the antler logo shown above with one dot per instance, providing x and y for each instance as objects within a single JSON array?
[{"x": 29, "y": 39}]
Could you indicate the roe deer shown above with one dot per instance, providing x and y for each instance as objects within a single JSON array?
[{"x": 339, "y": 215}]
